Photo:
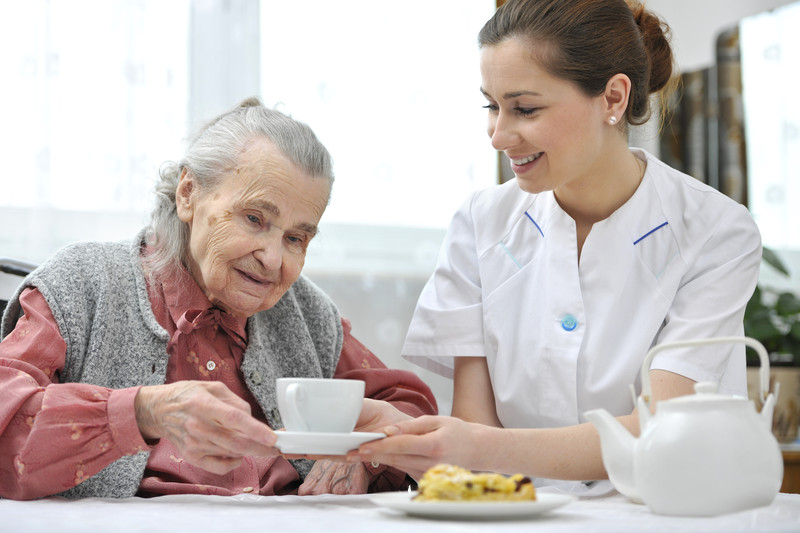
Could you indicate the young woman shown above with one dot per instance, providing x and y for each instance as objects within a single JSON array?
[{"x": 551, "y": 288}]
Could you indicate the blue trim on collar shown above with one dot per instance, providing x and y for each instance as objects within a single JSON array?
[
  {"x": 637, "y": 241},
  {"x": 534, "y": 223}
]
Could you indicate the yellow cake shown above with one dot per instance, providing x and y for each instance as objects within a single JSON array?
[{"x": 452, "y": 483}]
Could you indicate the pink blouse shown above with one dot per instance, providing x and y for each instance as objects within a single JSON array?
[{"x": 55, "y": 435}]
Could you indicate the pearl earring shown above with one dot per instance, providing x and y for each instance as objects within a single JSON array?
[{"x": 612, "y": 120}]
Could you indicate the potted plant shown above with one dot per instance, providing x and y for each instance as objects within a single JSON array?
[{"x": 773, "y": 318}]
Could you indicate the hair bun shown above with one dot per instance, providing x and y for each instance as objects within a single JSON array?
[{"x": 655, "y": 36}]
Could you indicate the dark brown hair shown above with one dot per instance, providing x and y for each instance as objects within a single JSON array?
[{"x": 589, "y": 41}]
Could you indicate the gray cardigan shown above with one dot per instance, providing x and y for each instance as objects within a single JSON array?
[{"x": 99, "y": 299}]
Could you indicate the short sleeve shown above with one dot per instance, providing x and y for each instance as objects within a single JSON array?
[
  {"x": 711, "y": 301},
  {"x": 448, "y": 319}
]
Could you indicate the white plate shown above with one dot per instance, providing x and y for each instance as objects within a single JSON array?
[
  {"x": 403, "y": 501},
  {"x": 298, "y": 442}
]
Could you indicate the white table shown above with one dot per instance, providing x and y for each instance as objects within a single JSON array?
[{"x": 352, "y": 514}]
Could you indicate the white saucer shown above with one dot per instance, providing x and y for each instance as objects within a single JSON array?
[
  {"x": 403, "y": 501},
  {"x": 298, "y": 442}
]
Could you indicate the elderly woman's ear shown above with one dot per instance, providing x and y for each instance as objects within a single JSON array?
[{"x": 183, "y": 196}]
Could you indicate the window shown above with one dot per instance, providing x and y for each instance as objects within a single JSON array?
[
  {"x": 770, "y": 48},
  {"x": 93, "y": 106},
  {"x": 392, "y": 89}
]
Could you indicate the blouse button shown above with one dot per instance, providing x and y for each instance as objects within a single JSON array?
[
  {"x": 247, "y": 489},
  {"x": 211, "y": 365},
  {"x": 569, "y": 322}
]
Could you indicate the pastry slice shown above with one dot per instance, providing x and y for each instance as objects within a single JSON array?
[{"x": 448, "y": 483}]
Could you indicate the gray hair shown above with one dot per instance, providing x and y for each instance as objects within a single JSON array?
[{"x": 213, "y": 150}]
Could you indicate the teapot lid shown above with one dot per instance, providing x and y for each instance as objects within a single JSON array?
[{"x": 706, "y": 391}]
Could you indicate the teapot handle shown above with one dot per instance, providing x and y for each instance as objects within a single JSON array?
[{"x": 753, "y": 343}]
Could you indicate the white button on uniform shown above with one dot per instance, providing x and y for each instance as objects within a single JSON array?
[{"x": 211, "y": 365}]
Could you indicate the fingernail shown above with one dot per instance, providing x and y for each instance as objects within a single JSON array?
[{"x": 391, "y": 431}]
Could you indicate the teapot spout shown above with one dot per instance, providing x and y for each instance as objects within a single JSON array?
[
  {"x": 644, "y": 413},
  {"x": 769, "y": 407},
  {"x": 616, "y": 445}
]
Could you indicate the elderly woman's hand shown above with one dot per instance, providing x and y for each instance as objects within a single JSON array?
[
  {"x": 209, "y": 425},
  {"x": 332, "y": 477}
]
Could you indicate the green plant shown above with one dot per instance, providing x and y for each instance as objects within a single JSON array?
[{"x": 773, "y": 318}]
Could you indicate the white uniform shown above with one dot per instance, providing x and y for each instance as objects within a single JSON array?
[{"x": 679, "y": 260}]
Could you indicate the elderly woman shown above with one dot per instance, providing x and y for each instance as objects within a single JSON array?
[{"x": 148, "y": 367}]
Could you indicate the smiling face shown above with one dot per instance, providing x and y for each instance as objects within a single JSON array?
[
  {"x": 554, "y": 135},
  {"x": 249, "y": 234}
]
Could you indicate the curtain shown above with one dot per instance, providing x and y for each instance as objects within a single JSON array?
[{"x": 93, "y": 100}]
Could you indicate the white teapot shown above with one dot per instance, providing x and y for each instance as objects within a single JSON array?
[{"x": 700, "y": 455}]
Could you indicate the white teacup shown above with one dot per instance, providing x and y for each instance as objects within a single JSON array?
[{"x": 320, "y": 405}]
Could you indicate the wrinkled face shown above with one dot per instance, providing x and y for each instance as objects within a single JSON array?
[
  {"x": 249, "y": 235},
  {"x": 551, "y": 131}
]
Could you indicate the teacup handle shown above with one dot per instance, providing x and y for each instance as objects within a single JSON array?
[
  {"x": 753, "y": 343},
  {"x": 294, "y": 392}
]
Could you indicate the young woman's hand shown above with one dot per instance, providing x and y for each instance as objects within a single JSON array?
[{"x": 414, "y": 445}]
